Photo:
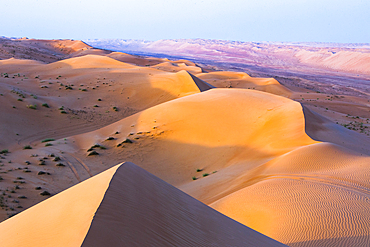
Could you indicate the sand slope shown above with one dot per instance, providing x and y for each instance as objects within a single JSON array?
[
  {"x": 87, "y": 87},
  {"x": 213, "y": 130},
  {"x": 62, "y": 220},
  {"x": 125, "y": 206},
  {"x": 316, "y": 193},
  {"x": 228, "y": 79},
  {"x": 139, "y": 209}
]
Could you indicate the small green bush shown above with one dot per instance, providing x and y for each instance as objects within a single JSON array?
[
  {"x": 34, "y": 107},
  {"x": 45, "y": 105},
  {"x": 45, "y": 193},
  {"x": 48, "y": 140},
  {"x": 93, "y": 153},
  {"x": 27, "y": 147}
]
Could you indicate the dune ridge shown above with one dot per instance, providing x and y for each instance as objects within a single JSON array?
[{"x": 125, "y": 205}]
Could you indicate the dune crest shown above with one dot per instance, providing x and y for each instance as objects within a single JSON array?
[
  {"x": 62, "y": 220},
  {"x": 125, "y": 205}
]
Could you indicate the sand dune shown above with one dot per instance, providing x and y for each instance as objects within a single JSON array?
[
  {"x": 294, "y": 170},
  {"x": 317, "y": 193},
  {"x": 226, "y": 79},
  {"x": 62, "y": 220},
  {"x": 212, "y": 130},
  {"x": 76, "y": 84},
  {"x": 125, "y": 206}
]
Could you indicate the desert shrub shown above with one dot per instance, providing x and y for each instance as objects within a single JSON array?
[
  {"x": 205, "y": 174},
  {"x": 48, "y": 144},
  {"x": 27, "y": 147},
  {"x": 48, "y": 140},
  {"x": 45, "y": 193},
  {"x": 127, "y": 141},
  {"x": 45, "y": 105},
  {"x": 34, "y": 107},
  {"x": 93, "y": 153}
]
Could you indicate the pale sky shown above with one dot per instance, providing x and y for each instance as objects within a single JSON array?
[{"x": 345, "y": 21}]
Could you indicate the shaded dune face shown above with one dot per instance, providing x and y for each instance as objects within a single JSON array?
[{"x": 139, "y": 209}]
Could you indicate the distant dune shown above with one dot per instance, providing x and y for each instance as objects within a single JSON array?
[{"x": 222, "y": 157}]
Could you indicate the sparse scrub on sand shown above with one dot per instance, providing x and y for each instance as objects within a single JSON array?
[
  {"x": 205, "y": 174},
  {"x": 48, "y": 144},
  {"x": 45, "y": 105},
  {"x": 41, "y": 173},
  {"x": 199, "y": 170},
  {"x": 125, "y": 141},
  {"x": 57, "y": 158},
  {"x": 45, "y": 193},
  {"x": 4, "y": 151},
  {"x": 93, "y": 153},
  {"x": 115, "y": 108},
  {"x": 48, "y": 140},
  {"x": 63, "y": 112},
  {"x": 110, "y": 138},
  {"x": 27, "y": 147},
  {"x": 60, "y": 164},
  {"x": 34, "y": 107},
  {"x": 194, "y": 178}
]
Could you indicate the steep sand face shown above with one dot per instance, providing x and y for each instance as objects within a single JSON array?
[
  {"x": 62, "y": 220},
  {"x": 313, "y": 196},
  {"x": 139, "y": 209},
  {"x": 322, "y": 129},
  {"x": 125, "y": 206}
]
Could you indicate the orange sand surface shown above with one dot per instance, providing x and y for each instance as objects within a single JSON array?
[{"x": 289, "y": 163}]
